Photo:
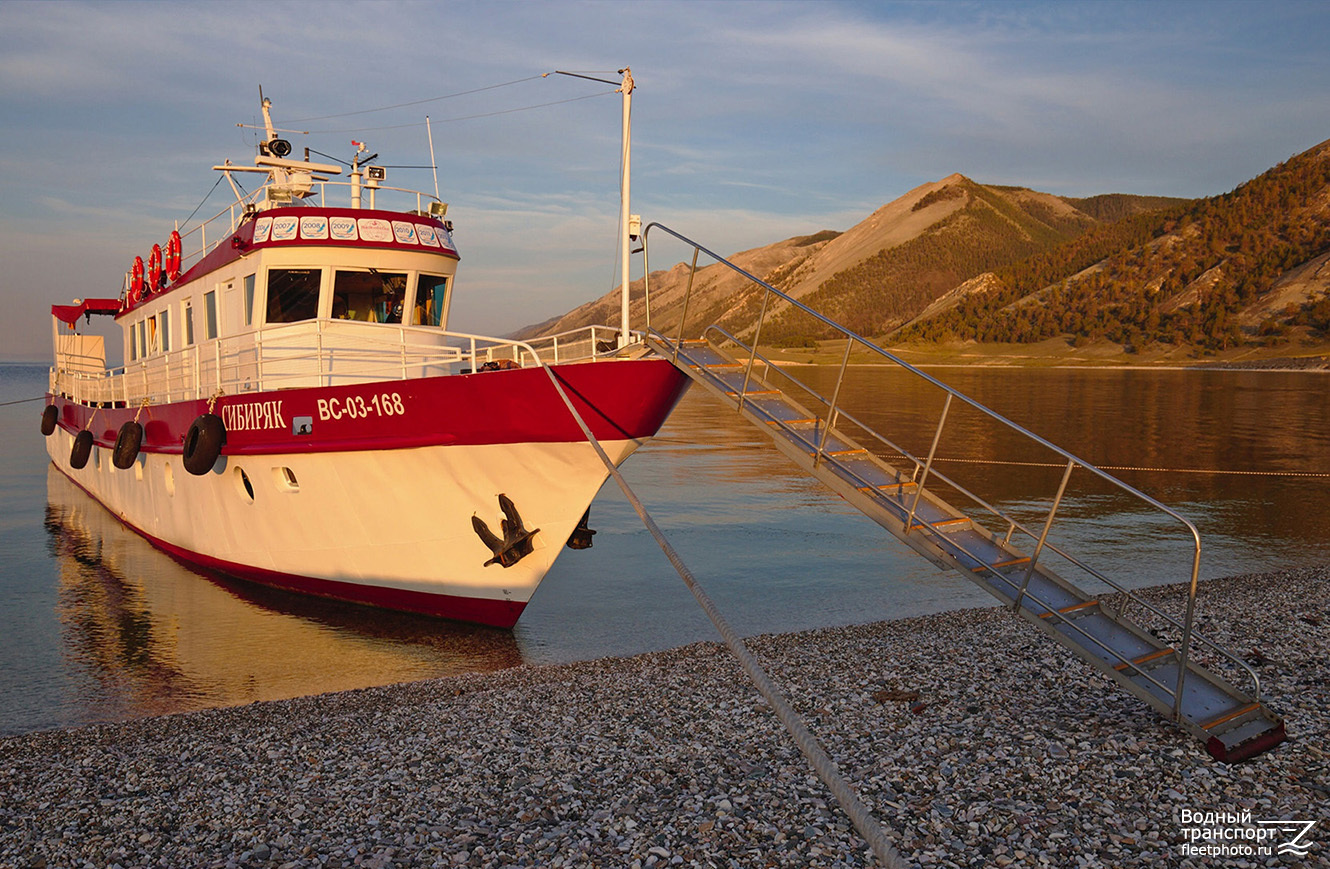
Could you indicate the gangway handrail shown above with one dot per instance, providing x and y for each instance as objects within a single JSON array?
[
  {"x": 852, "y": 338},
  {"x": 1013, "y": 524}
]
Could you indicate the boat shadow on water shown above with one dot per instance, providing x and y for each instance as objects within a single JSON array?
[{"x": 152, "y": 635}]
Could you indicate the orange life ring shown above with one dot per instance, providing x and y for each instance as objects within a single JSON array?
[
  {"x": 136, "y": 281},
  {"x": 154, "y": 268},
  {"x": 173, "y": 255}
]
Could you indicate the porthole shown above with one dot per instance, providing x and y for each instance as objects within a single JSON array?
[
  {"x": 243, "y": 485},
  {"x": 285, "y": 480}
]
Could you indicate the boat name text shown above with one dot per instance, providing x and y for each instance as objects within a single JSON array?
[
  {"x": 359, "y": 407},
  {"x": 253, "y": 416}
]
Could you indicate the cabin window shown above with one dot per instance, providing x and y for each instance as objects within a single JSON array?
[
  {"x": 165, "y": 318},
  {"x": 431, "y": 302},
  {"x": 189, "y": 324},
  {"x": 133, "y": 343},
  {"x": 152, "y": 335},
  {"x": 372, "y": 296},
  {"x": 249, "y": 300},
  {"x": 210, "y": 314},
  {"x": 143, "y": 338},
  {"x": 293, "y": 295}
]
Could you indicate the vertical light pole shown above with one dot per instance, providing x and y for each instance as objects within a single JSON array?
[{"x": 624, "y": 206}]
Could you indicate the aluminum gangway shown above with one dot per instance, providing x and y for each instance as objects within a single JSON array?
[{"x": 902, "y": 492}]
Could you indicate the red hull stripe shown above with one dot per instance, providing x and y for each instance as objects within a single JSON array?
[
  {"x": 619, "y": 399},
  {"x": 495, "y": 613}
]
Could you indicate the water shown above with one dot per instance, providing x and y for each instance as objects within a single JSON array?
[{"x": 100, "y": 626}]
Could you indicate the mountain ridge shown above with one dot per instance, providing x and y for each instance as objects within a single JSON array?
[{"x": 957, "y": 260}]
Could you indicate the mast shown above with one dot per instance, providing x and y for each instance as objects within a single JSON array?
[{"x": 625, "y": 219}]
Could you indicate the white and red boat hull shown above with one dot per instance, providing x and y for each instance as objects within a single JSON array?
[{"x": 366, "y": 492}]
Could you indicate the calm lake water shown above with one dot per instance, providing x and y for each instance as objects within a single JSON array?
[{"x": 100, "y": 626}]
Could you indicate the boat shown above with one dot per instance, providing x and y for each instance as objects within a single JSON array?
[{"x": 293, "y": 407}]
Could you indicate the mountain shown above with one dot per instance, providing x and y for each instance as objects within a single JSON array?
[
  {"x": 874, "y": 276},
  {"x": 958, "y": 260},
  {"x": 1250, "y": 267}
]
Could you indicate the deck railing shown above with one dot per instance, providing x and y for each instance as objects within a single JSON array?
[{"x": 313, "y": 353}]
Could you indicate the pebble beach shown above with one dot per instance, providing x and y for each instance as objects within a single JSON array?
[{"x": 973, "y": 739}]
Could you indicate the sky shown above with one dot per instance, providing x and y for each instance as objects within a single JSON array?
[{"x": 752, "y": 121}]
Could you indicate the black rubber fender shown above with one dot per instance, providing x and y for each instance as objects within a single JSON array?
[
  {"x": 78, "y": 456},
  {"x": 127, "y": 445},
  {"x": 50, "y": 416},
  {"x": 203, "y": 443}
]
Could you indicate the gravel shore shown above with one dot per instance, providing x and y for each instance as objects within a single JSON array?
[{"x": 1013, "y": 754}]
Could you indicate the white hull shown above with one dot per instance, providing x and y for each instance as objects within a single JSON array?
[{"x": 381, "y": 519}]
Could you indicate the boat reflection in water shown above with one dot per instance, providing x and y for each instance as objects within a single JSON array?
[{"x": 147, "y": 635}]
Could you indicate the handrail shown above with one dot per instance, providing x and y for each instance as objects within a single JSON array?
[
  {"x": 834, "y": 414},
  {"x": 235, "y": 212},
  {"x": 319, "y": 352},
  {"x": 1013, "y": 523}
]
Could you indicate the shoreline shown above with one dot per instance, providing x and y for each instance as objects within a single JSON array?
[{"x": 1020, "y": 755}]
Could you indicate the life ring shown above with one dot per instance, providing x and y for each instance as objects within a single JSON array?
[
  {"x": 154, "y": 268},
  {"x": 203, "y": 443},
  {"x": 78, "y": 456},
  {"x": 50, "y": 416},
  {"x": 127, "y": 444},
  {"x": 173, "y": 255},
  {"x": 136, "y": 281}
]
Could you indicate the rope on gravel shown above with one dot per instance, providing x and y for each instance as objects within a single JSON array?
[{"x": 817, "y": 757}]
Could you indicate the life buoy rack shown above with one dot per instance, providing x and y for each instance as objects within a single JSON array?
[
  {"x": 173, "y": 255},
  {"x": 127, "y": 444},
  {"x": 136, "y": 281},
  {"x": 155, "y": 268},
  {"x": 203, "y": 443}
]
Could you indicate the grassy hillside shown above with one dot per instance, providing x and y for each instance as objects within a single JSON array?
[{"x": 1190, "y": 274}]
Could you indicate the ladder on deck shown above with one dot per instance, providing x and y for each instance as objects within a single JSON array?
[{"x": 1234, "y": 723}]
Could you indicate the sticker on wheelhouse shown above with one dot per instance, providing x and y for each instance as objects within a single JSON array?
[{"x": 360, "y": 407}]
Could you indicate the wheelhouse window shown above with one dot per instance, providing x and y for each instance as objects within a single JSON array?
[
  {"x": 293, "y": 295},
  {"x": 431, "y": 303},
  {"x": 372, "y": 296}
]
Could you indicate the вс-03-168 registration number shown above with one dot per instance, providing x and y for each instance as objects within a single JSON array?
[{"x": 359, "y": 407}]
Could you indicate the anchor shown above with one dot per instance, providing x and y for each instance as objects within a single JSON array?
[{"x": 516, "y": 541}]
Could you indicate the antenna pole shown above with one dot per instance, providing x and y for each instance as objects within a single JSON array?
[
  {"x": 624, "y": 206},
  {"x": 434, "y": 164}
]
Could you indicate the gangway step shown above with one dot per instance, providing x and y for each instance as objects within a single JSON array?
[{"x": 1233, "y": 724}]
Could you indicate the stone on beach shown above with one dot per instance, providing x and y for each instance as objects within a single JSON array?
[{"x": 1023, "y": 757}]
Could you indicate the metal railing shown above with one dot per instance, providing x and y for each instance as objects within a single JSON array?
[
  {"x": 198, "y": 241},
  {"x": 313, "y": 353},
  {"x": 833, "y": 415}
]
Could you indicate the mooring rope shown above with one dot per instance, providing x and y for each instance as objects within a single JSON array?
[
  {"x": 22, "y": 401},
  {"x": 822, "y": 764},
  {"x": 1133, "y": 468}
]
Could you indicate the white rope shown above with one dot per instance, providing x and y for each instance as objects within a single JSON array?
[
  {"x": 1151, "y": 470},
  {"x": 817, "y": 757}
]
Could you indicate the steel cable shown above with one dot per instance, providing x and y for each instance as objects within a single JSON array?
[{"x": 817, "y": 757}]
